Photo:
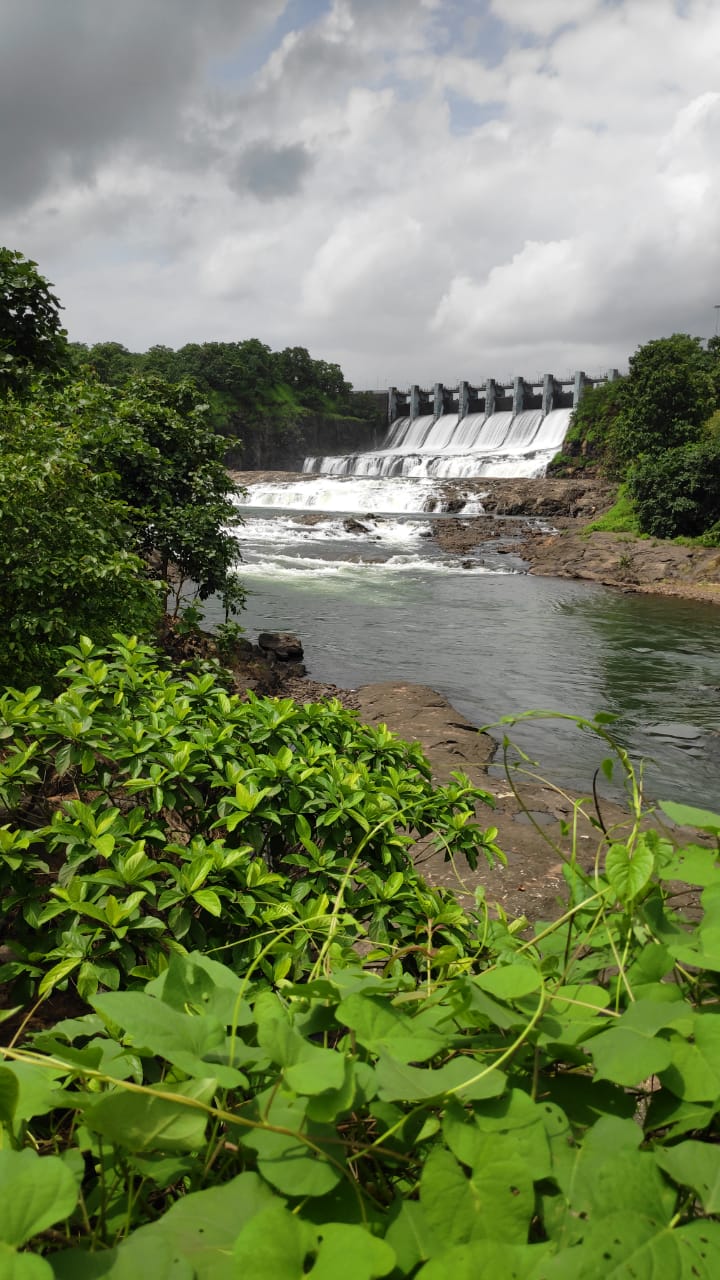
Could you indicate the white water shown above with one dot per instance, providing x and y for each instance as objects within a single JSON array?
[
  {"x": 447, "y": 447},
  {"x": 356, "y": 494}
]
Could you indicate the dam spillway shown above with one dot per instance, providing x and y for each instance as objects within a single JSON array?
[{"x": 501, "y": 429}]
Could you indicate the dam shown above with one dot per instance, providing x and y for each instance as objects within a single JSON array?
[{"x": 496, "y": 428}]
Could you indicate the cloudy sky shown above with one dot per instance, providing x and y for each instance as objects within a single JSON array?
[{"x": 421, "y": 190}]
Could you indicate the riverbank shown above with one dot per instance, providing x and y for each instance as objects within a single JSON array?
[{"x": 570, "y": 550}]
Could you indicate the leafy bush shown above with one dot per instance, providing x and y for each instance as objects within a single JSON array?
[
  {"x": 678, "y": 493},
  {"x": 144, "y": 812},
  {"x": 548, "y": 1111}
]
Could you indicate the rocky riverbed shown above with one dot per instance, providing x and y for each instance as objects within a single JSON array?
[{"x": 558, "y": 544}]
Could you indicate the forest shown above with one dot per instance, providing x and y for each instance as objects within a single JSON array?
[{"x": 241, "y": 1035}]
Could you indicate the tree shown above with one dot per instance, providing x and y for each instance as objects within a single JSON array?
[
  {"x": 111, "y": 361},
  {"x": 152, "y": 444},
  {"x": 669, "y": 394},
  {"x": 67, "y": 563},
  {"x": 31, "y": 337}
]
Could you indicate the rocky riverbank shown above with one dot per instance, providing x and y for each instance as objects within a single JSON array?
[{"x": 558, "y": 544}]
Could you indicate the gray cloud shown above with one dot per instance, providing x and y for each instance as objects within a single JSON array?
[
  {"x": 81, "y": 78},
  {"x": 271, "y": 172}
]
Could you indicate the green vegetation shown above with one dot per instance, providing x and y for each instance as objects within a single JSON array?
[
  {"x": 280, "y": 1053},
  {"x": 31, "y": 337},
  {"x": 620, "y": 518},
  {"x": 657, "y": 432},
  {"x": 590, "y": 439},
  {"x": 253, "y": 394}
]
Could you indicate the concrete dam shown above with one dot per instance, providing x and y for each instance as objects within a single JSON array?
[{"x": 498, "y": 428}]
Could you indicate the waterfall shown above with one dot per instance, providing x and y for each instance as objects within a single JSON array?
[{"x": 446, "y": 447}]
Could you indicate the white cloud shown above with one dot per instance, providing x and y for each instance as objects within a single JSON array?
[{"x": 329, "y": 200}]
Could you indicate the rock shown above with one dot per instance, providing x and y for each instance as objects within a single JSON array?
[
  {"x": 354, "y": 526},
  {"x": 283, "y": 645}
]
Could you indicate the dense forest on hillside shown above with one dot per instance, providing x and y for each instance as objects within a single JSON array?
[
  {"x": 240, "y": 1035},
  {"x": 245, "y": 383},
  {"x": 656, "y": 431}
]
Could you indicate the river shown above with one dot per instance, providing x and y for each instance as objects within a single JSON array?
[{"x": 387, "y": 604}]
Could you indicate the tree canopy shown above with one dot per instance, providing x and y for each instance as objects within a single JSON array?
[{"x": 32, "y": 339}]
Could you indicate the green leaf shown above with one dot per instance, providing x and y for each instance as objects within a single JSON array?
[
  {"x": 35, "y": 1192},
  {"x": 496, "y": 1202},
  {"x": 351, "y": 1252},
  {"x": 209, "y": 901},
  {"x": 628, "y": 872},
  {"x": 686, "y": 815},
  {"x": 628, "y": 1244},
  {"x": 692, "y": 865},
  {"x": 696, "y": 1165},
  {"x": 511, "y": 982},
  {"x": 184, "y": 1039},
  {"x": 318, "y": 1071},
  {"x": 629, "y": 1050},
  {"x": 396, "y": 1081},
  {"x": 38, "y": 1091},
  {"x": 294, "y": 1166},
  {"x": 694, "y": 1073},
  {"x": 57, "y": 973},
  {"x": 274, "y": 1246},
  {"x": 138, "y": 1256},
  {"x": 154, "y": 1121},
  {"x": 484, "y": 1258},
  {"x": 9, "y": 1092},
  {"x": 378, "y": 1026},
  {"x": 22, "y": 1266}
]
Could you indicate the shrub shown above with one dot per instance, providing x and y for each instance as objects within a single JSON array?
[
  {"x": 175, "y": 816},
  {"x": 678, "y": 493}
]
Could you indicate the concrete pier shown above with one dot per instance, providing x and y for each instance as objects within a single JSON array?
[{"x": 546, "y": 393}]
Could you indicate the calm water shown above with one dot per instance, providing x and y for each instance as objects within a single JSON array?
[{"x": 387, "y": 605}]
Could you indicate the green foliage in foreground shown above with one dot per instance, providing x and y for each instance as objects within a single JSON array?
[
  {"x": 538, "y": 1103},
  {"x": 143, "y": 813}
]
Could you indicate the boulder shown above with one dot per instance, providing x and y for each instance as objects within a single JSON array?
[{"x": 283, "y": 645}]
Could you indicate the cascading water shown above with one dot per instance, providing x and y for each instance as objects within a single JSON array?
[{"x": 445, "y": 447}]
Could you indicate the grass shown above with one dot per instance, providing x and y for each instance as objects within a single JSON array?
[{"x": 620, "y": 518}]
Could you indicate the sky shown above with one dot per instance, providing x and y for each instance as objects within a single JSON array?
[{"x": 419, "y": 190}]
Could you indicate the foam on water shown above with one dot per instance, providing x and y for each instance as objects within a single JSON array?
[
  {"x": 305, "y": 567},
  {"x": 353, "y": 494},
  {"x": 289, "y": 530}
]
